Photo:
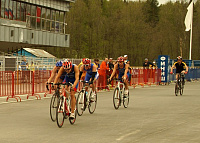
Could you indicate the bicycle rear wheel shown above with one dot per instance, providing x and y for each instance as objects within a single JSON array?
[
  {"x": 60, "y": 112},
  {"x": 126, "y": 101},
  {"x": 116, "y": 98},
  {"x": 92, "y": 103},
  {"x": 53, "y": 107},
  {"x": 80, "y": 103}
]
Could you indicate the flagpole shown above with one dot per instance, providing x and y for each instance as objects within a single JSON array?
[{"x": 190, "y": 53}]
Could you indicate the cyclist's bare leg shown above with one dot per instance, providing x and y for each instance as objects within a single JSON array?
[
  {"x": 73, "y": 101},
  {"x": 68, "y": 89},
  {"x": 126, "y": 84}
]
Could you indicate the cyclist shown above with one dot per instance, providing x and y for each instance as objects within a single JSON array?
[
  {"x": 54, "y": 72},
  {"x": 72, "y": 76},
  {"x": 91, "y": 74},
  {"x": 122, "y": 69},
  {"x": 180, "y": 66}
]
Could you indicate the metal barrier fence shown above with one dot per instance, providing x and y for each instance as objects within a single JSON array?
[
  {"x": 145, "y": 76},
  {"x": 193, "y": 74},
  {"x": 31, "y": 83},
  {"x": 22, "y": 82}
]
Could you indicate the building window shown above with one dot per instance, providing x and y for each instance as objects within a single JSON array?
[
  {"x": 14, "y": 10},
  {"x": 10, "y": 10},
  {"x": 2, "y": 7},
  {"x": 52, "y": 24},
  {"x": 43, "y": 17},
  {"x": 48, "y": 20},
  {"x": 33, "y": 16},
  {"x": 38, "y": 15},
  {"x": 18, "y": 10},
  {"x": 6, "y": 10},
  {"x": 28, "y": 15},
  {"x": 23, "y": 12}
]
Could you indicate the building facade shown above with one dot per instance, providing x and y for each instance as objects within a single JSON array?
[{"x": 26, "y": 23}]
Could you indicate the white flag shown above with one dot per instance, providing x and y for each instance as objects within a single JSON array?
[{"x": 188, "y": 17}]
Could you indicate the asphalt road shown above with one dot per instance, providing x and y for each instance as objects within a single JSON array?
[{"x": 154, "y": 115}]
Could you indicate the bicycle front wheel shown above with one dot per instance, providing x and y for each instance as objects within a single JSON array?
[
  {"x": 176, "y": 89},
  {"x": 53, "y": 107},
  {"x": 72, "y": 121},
  {"x": 80, "y": 103},
  {"x": 116, "y": 98},
  {"x": 126, "y": 100},
  {"x": 181, "y": 88},
  {"x": 60, "y": 112},
  {"x": 92, "y": 103}
]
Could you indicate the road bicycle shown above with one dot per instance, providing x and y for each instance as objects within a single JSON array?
[
  {"x": 179, "y": 84},
  {"x": 118, "y": 95},
  {"x": 63, "y": 110},
  {"x": 85, "y": 99}
]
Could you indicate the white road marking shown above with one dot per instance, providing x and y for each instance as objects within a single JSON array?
[{"x": 126, "y": 135}]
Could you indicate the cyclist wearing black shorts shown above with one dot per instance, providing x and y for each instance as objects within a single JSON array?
[{"x": 180, "y": 66}]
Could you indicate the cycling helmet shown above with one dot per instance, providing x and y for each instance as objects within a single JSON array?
[
  {"x": 86, "y": 61},
  {"x": 59, "y": 64},
  {"x": 67, "y": 64},
  {"x": 120, "y": 59},
  {"x": 179, "y": 57}
]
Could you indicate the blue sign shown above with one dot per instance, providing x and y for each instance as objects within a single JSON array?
[{"x": 163, "y": 61}]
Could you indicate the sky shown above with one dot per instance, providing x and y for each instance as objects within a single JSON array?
[{"x": 165, "y": 1}]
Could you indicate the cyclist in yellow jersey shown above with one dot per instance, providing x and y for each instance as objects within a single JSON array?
[{"x": 180, "y": 66}]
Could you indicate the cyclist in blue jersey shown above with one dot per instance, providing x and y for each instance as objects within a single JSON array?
[
  {"x": 54, "y": 73},
  {"x": 91, "y": 74},
  {"x": 123, "y": 72},
  {"x": 72, "y": 76}
]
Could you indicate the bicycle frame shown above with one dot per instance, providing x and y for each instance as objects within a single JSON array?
[
  {"x": 84, "y": 92},
  {"x": 121, "y": 87},
  {"x": 179, "y": 84}
]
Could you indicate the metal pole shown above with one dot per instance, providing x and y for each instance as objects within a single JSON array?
[{"x": 190, "y": 54}]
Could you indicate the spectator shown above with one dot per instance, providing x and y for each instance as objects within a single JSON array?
[
  {"x": 23, "y": 65},
  {"x": 23, "y": 69},
  {"x": 96, "y": 62},
  {"x": 110, "y": 64},
  {"x": 146, "y": 71},
  {"x": 125, "y": 59},
  {"x": 32, "y": 67},
  {"x": 102, "y": 74},
  {"x": 147, "y": 64}
]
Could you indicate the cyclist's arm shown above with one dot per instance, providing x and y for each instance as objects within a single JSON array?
[
  {"x": 94, "y": 72},
  {"x": 126, "y": 70},
  {"x": 172, "y": 68},
  {"x": 53, "y": 74},
  {"x": 114, "y": 70},
  {"x": 60, "y": 72},
  {"x": 76, "y": 70},
  {"x": 81, "y": 71},
  {"x": 186, "y": 67}
]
